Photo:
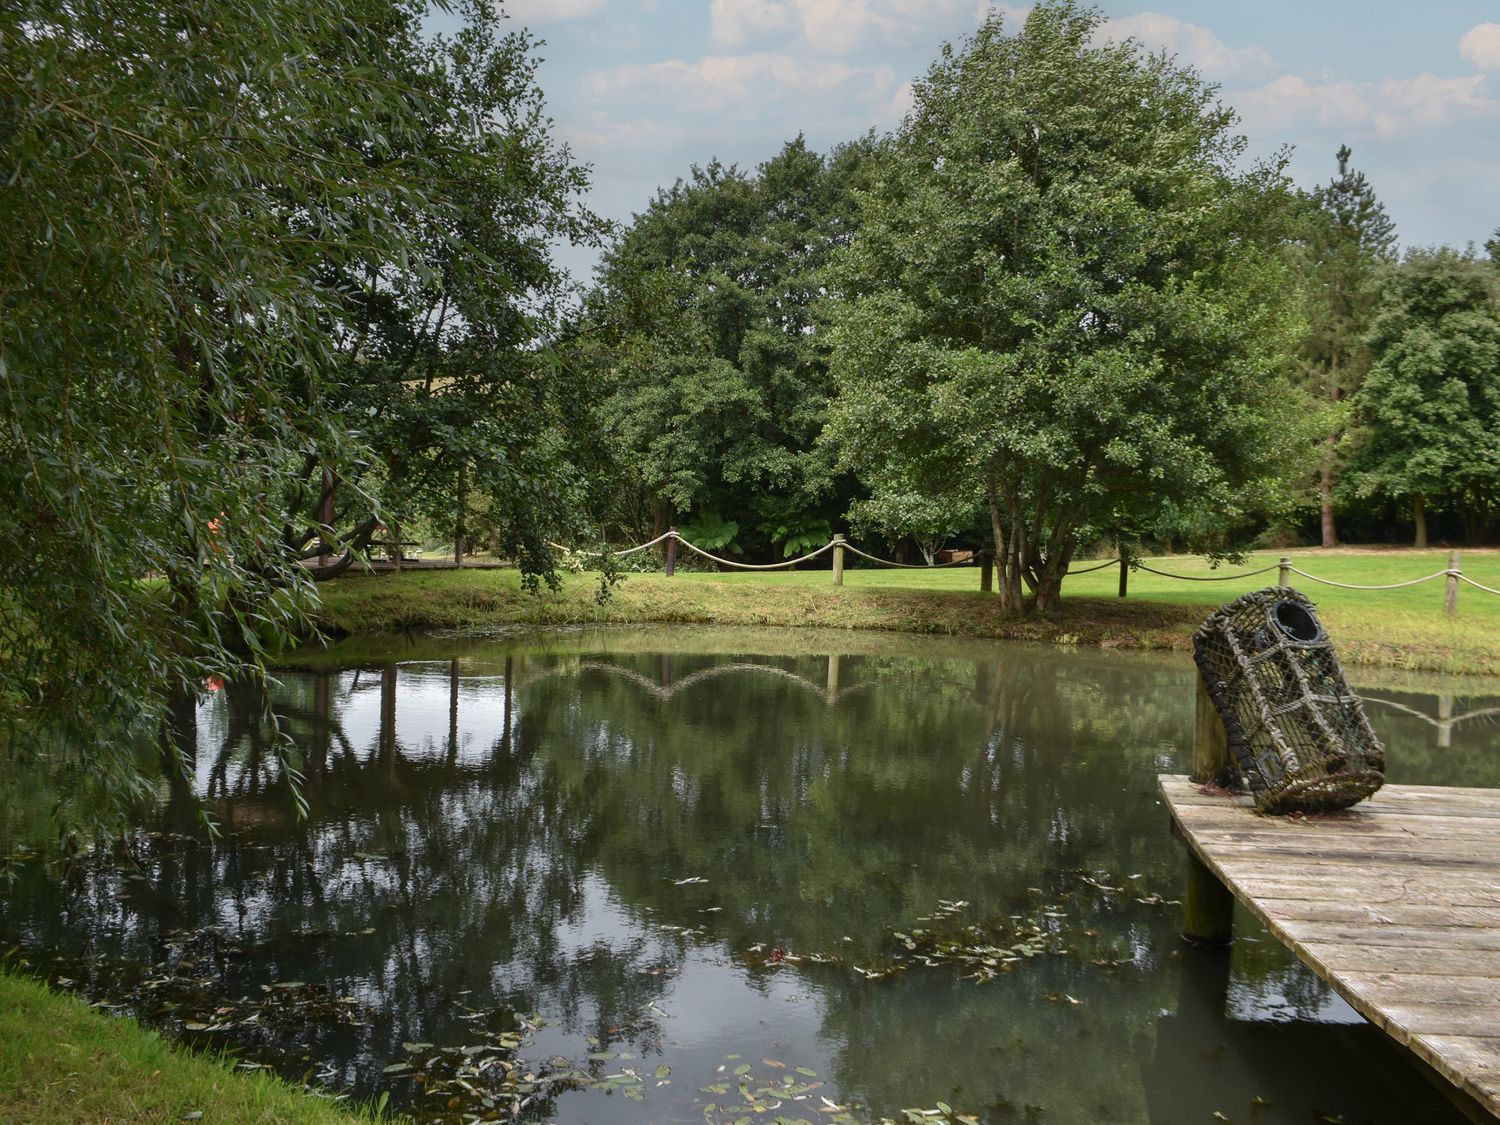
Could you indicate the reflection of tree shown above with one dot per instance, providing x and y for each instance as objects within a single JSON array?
[
  {"x": 467, "y": 874},
  {"x": 820, "y": 797}
]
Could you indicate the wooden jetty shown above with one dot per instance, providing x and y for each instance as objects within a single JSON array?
[{"x": 1394, "y": 902}]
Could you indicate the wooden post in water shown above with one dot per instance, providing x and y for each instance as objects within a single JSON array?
[
  {"x": 1284, "y": 574},
  {"x": 1124, "y": 572},
  {"x": 1450, "y": 598},
  {"x": 453, "y": 710},
  {"x": 838, "y": 560},
  {"x": 1207, "y": 905},
  {"x": 671, "y": 551},
  {"x": 1210, "y": 741},
  {"x": 986, "y": 571}
]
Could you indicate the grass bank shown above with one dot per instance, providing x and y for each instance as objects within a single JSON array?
[
  {"x": 1403, "y": 629},
  {"x": 61, "y": 1061}
]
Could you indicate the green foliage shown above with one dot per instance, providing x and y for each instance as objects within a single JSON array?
[
  {"x": 1066, "y": 296},
  {"x": 217, "y": 232},
  {"x": 460, "y": 406},
  {"x": 1344, "y": 259},
  {"x": 702, "y": 331},
  {"x": 897, "y": 509},
  {"x": 712, "y": 532},
  {"x": 1432, "y": 399}
]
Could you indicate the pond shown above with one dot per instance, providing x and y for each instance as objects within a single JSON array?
[{"x": 682, "y": 875}]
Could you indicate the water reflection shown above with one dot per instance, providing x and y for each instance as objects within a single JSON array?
[{"x": 684, "y": 847}]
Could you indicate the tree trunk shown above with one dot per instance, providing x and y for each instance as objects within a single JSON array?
[
  {"x": 1419, "y": 514},
  {"x": 1061, "y": 545},
  {"x": 1325, "y": 498},
  {"x": 1007, "y": 561}
]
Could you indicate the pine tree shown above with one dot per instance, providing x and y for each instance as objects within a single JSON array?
[{"x": 1350, "y": 245}]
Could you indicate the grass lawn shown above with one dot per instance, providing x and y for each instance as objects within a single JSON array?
[
  {"x": 1390, "y": 628},
  {"x": 61, "y": 1061}
]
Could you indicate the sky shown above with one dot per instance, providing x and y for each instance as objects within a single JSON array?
[{"x": 641, "y": 90}]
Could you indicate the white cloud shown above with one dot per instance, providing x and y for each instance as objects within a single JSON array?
[
  {"x": 732, "y": 22},
  {"x": 535, "y": 12},
  {"x": 1481, "y": 46},
  {"x": 1191, "y": 44},
  {"x": 742, "y": 83},
  {"x": 841, "y": 26},
  {"x": 1391, "y": 107}
]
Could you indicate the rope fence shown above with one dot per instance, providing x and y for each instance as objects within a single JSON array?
[{"x": 984, "y": 560}]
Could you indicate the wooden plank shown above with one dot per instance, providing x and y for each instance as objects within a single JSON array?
[
  {"x": 1346, "y": 959},
  {"x": 1395, "y": 904}
]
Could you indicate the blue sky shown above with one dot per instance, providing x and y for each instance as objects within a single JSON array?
[{"x": 643, "y": 89}]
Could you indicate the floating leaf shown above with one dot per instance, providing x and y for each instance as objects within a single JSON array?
[{"x": 663, "y": 1070}]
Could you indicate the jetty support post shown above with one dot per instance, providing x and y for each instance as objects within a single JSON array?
[
  {"x": 838, "y": 560},
  {"x": 1207, "y": 904},
  {"x": 671, "y": 551}
]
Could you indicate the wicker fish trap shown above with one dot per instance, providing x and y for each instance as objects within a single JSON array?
[{"x": 1297, "y": 732}]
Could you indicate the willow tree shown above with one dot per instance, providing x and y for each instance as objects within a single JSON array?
[
  {"x": 200, "y": 209},
  {"x": 1066, "y": 296}
]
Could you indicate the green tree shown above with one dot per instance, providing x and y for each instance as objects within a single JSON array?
[
  {"x": 1431, "y": 401},
  {"x": 1347, "y": 254},
  {"x": 200, "y": 210},
  {"x": 443, "y": 369},
  {"x": 1065, "y": 296},
  {"x": 702, "y": 327}
]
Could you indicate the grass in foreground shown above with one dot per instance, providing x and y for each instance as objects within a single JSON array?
[
  {"x": 61, "y": 1061},
  {"x": 1404, "y": 629}
]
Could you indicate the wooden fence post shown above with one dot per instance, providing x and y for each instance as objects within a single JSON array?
[
  {"x": 838, "y": 560},
  {"x": 1450, "y": 598},
  {"x": 986, "y": 571},
  {"x": 1207, "y": 905},
  {"x": 1284, "y": 574},
  {"x": 1124, "y": 571},
  {"x": 671, "y": 551}
]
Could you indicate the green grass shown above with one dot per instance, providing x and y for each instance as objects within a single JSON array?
[
  {"x": 1404, "y": 629},
  {"x": 61, "y": 1061}
]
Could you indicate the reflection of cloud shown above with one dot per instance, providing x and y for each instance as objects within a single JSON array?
[
  {"x": 1192, "y": 44},
  {"x": 550, "y": 11},
  {"x": 1391, "y": 107},
  {"x": 1481, "y": 46}
]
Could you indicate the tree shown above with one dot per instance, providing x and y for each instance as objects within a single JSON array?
[
  {"x": 1348, "y": 251},
  {"x": 200, "y": 211},
  {"x": 1432, "y": 399},
  {"x": 444, "y": 367},
  {"x": 703, "y": 330},
  {"x": 1065, "y": 297}
]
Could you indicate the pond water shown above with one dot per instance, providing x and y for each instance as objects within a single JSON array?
[{"x": 686, "y": 875}]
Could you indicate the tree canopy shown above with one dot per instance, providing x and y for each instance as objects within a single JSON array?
[
  {"x": 1066, "y": 297},
  {"x": 1431, "y": 402},
  {"x": 715, "y": 382},
  {"x": 223, "y": 231},
  {"x": 1346, "y": 255}
]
